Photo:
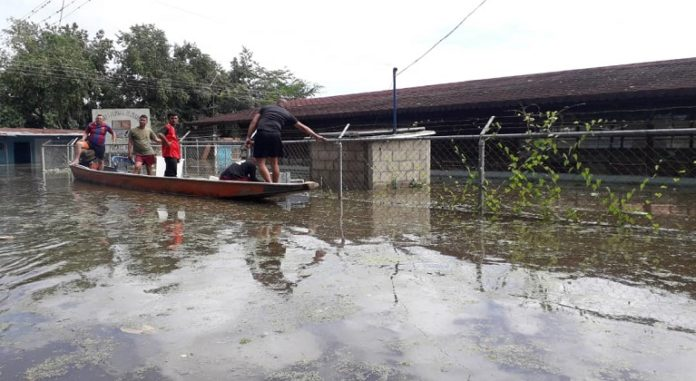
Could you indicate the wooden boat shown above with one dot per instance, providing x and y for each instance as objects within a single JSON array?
[{"x": 189, "y": 186}]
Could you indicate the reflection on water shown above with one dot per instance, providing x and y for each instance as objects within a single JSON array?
[
  {"x": 98, "y": 283},
  {"x": 265, "y": 259},
  {"x": 173, "y": 227}
]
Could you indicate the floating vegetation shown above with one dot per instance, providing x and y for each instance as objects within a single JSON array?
[{"x": 88, "y": 352}]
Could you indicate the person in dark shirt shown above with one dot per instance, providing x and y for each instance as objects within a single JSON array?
[
  {"x": 268, "y": 145},
  {"x": 241, "y": 171}
]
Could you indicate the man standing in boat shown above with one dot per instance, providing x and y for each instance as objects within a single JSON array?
[
  {"x": 95, "y": 136},
  {"x": 170, "y": 145},
  {"x": 268, "y": 145},
  {"x": 139, "y": 139}
]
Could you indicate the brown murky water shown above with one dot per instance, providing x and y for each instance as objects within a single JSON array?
[{"x": 97, "y": 283}]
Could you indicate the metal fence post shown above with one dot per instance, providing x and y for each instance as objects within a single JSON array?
[
  {"x": 182, "y": 153},
  {"x": 43, "y": 157},
  {"x": 482, "y": 164},
  {"x": 340, "y": 162},
  {"x": 340, "y": 170}
]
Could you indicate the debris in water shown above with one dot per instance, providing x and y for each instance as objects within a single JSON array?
[{"x": 144, "y": 329}]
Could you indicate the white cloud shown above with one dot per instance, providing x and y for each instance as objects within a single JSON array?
[{"x": 352, "y": 46}]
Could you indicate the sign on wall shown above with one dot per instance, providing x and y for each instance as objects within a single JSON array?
[{"x": 122, "y": 119}]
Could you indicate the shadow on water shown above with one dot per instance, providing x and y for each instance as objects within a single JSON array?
[{"x": 98, "y": 283}]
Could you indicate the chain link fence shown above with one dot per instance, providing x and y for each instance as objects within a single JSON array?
[
  {"x": 624, "y": 175},
  {"x": 55, "y": 156},
  {"x": 643, "y": 172},
  {"x": 205, "y": 158}
]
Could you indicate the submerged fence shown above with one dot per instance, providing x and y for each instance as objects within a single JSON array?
[{"x": 487, "y": 172}]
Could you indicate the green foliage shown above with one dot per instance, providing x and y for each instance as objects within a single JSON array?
[
  {"x": 47, "y": 74},
  {"x": 144, "y": 70},
  {"x": 464, "y": 192},
  {"x": 267, "y": 86},
  {"x": 10, "y": 117},
  {"x": 53, "y": 76},
  {"x": 534, "y": 181},
  {"x": 533, "y": 187}
]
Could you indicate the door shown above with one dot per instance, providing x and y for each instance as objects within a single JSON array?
[{"x": 22, "y": 153}]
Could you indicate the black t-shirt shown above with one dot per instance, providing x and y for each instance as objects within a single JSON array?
[
  {"x": 243, "y": 171},
  {"x": 274, "y": 118}
]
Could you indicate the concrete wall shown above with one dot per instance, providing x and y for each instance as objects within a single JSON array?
[
  {"x": 372, "y": 164},
  {"x": 398, "y": 163}
]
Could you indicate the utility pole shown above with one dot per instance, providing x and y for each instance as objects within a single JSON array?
[{"x": 394, "y": 101}]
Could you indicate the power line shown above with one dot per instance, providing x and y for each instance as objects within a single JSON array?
[
  {"x": 443, "y": 38},
  {"x": 37, "y": 9},
  {"x": 76, "y": 9},
  {"x": 59, "y": 11},
  {"x": 72, "y": 72},
  {"x": 120, "y": 80}
]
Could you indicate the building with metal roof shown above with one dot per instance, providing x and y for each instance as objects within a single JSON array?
[
  {"x": 23, "y": 145},
  {"x": 659, "y": 94}
]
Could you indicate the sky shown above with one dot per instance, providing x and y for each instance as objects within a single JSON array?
[{"x": 352, "y": 46}]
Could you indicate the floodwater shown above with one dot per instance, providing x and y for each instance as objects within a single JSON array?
[{"x": 98, "y": 283}]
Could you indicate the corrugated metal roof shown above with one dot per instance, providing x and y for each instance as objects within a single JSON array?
[
  {"x": 38, "y": 132},
  {"x": 640, "y": 80}
]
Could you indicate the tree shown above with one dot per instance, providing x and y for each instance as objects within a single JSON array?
[
  {"x": 201, "y": 76},
  {"x": 53, "y": 76},
  {"x": 49, "y": 75},
  {"x": 143, "y": 70},
  {"x": 101, "y": 53},
  {"x": 266, "y": 86}
]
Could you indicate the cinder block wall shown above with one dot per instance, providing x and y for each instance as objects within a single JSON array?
[
  {"x": 372, "y": 164},
  {"x": 398, "y": 163},
  {"x": 325, "y": 165}
]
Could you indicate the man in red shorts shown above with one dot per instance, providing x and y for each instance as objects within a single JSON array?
[
  {"x": 139, "y": 143},
  {"x": 95, "y": 136}
]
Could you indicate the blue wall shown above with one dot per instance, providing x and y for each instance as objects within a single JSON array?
[{"x": 7, "y": 146}]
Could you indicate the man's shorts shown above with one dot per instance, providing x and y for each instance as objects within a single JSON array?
[
  {"x": 267, "y": 144},
  {"x": 145, "y": 159},
  {"x": 98, "y": 150}
]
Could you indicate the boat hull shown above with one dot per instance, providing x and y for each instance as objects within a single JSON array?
[{"x": 189, "y": 186}]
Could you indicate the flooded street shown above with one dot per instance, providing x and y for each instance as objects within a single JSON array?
[{"x": 101, "y": 283}]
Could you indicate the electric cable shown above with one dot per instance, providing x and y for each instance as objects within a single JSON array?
[
  {"x": 442, "y": 39},
  {"x": 36, "y": 9}
]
